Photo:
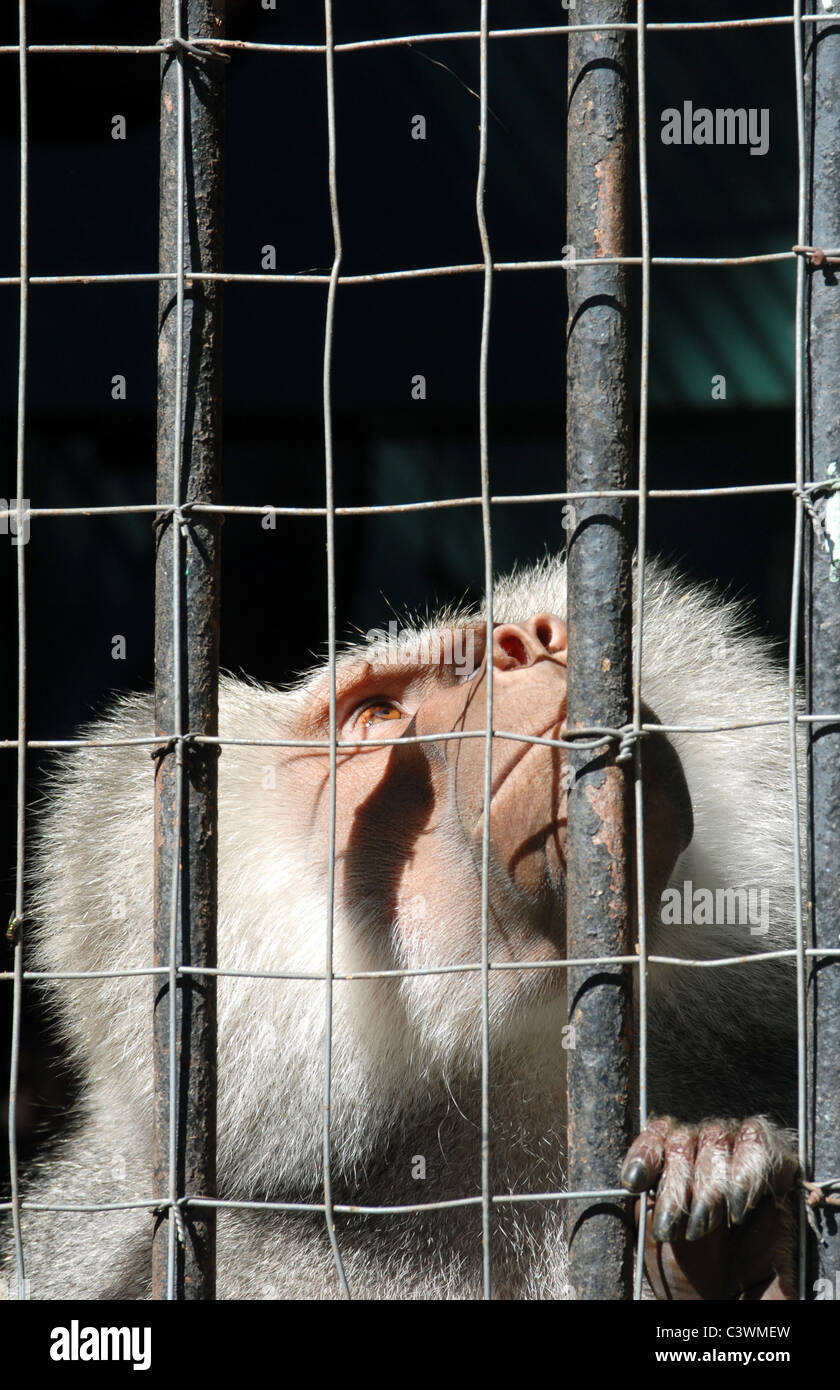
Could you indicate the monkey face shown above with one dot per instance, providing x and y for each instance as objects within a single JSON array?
[{"x": 410, "y": 817}]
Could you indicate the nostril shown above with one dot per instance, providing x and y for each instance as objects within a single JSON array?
[
  {"x": 513, "y": 647},
  {"x": 550, "y": 632}
]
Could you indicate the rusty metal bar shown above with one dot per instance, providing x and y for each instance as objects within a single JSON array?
[
  {"x": 187, "y": 650},
  {"x": 822, "y": 443},
  {"x": 598, "y": 451}
]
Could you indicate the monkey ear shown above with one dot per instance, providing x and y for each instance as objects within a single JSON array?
[{"x": 669, "y": 819}]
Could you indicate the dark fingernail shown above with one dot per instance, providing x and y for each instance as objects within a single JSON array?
[
  {"x": 635, "y": 1177},
  {"x": 665, "y": 1225},
  {"x": 698, "y": 1221},
  {"x": 737, "y": 1207}
]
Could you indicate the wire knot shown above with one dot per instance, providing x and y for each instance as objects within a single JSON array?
[
  {"x": 629, "y": 738},
  {"x": 181, "y": 512},
  {"x": 815, "y": 256},
  {"x": 821, "y": 500},
  {"x": 175, "y": 44}
]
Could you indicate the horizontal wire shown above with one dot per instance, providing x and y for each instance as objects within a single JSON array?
[
  {"x": 318, "y": 1208},
  {"x": 581, "y": 738},
  {"x": 410, "y": 972},
  {"x": 407, "y": 40},
  {"x": 245, "y": 277},
  {"x": 267, "y": 509}
]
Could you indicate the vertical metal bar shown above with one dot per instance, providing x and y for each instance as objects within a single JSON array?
[
  {"x": 329, "y": 487},
  {"x": 19, "y": 541},
  {"x": 599, "y": 898},
  {"x": 794, "y": 626},
  {"x": 187, "y": 649},
  {"x": 638, "y": 645},
  {"x": 822, "y": 90},
  {"x": 484, "y": 461}
]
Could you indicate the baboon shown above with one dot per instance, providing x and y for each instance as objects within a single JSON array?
[{"x": 406, "y": 1050}]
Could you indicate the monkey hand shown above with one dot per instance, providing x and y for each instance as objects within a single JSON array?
[{"x": 719, "y": 1225}]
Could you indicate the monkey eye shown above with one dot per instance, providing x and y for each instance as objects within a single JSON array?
[{"x": 376, "y": 710}]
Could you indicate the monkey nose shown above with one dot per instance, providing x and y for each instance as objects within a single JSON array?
[{"x": 522, "y": 644}]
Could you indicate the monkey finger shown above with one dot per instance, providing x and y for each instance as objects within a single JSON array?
[
  {"x": 761, "y": 1161},
  {"x": 662, "y": 1157},
  {"x": 675, "y": 1190},
  {"x": 711, "y": 1179},
  {"x": 643, "y": 1165}
]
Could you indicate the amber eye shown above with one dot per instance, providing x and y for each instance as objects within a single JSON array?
[{"x": 375, "y": 710}]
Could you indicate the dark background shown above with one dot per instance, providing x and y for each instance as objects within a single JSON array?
[{"x": 404, "y": 203}]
